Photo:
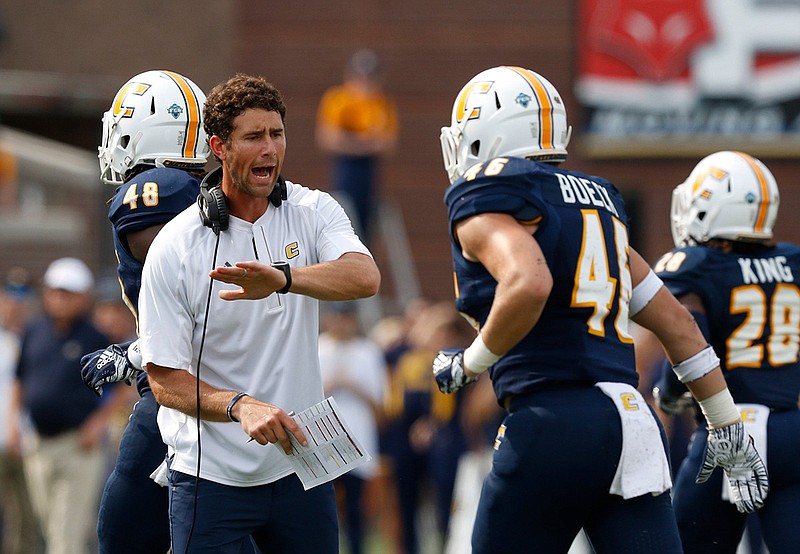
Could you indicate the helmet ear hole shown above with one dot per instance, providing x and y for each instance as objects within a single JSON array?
[
  {"x": 152, "y": 106},
  {"x": 475, "y": 148},
  {"x": 124, "y": 141},
  {"x": 497, "y": 100},
  {"x": 701, "y": 216}
]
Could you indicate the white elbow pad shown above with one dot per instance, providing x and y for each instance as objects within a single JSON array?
[
  {"x": 697, "y": 366},
  {"x": 644, "y": 292}
]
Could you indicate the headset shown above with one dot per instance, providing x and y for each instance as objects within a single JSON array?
[{"x": 212, "y": 205}]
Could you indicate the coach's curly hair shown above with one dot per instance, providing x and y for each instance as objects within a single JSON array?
[{"x": 230, "y": 99}]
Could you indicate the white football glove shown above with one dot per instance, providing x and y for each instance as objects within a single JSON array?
[
  {"x": 448, "y": 369},
  {"x": 731, "y": 448}
]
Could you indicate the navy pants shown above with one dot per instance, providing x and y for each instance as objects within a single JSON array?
[
  {"x": 133, "y": 517},
  {"x": 550, "y": 477},
  {"x": 280, "y": 517},
  {"x": 710, "y": 525}
]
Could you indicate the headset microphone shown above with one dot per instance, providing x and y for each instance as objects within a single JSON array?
[{"x": 279, "y": 193}]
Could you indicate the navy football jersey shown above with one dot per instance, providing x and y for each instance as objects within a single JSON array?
[
  {"x": 752, "y": 303},
  {"x": 582, "y": 336},
  {"x": 150, "y": 198}
]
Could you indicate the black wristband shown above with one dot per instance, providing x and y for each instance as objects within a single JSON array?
[
  {"x": 287, "y": 271},
  {"x": 233, "y": 401}
]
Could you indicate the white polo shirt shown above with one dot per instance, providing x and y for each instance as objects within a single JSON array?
[{"x": 266, "y": 348}]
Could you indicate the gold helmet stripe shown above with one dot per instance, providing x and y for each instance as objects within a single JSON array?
[
  {"x": 762, "y": 183},
  {"x": 193, "y": 107},
  {"x": 546, "y": 125}
]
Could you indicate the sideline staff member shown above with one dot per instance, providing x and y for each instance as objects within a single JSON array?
[{"x": 255, "y": 360}]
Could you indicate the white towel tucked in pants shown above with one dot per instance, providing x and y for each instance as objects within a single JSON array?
[{"x": 643, "y": 466}]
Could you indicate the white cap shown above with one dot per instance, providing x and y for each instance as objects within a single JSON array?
[{"x": 69, "y": 274}]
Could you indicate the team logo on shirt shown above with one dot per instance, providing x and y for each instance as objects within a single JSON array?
[{"x": 292, "y": 250}]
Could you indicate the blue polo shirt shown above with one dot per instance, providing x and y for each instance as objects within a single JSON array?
[{"x": 49, "y": 369}]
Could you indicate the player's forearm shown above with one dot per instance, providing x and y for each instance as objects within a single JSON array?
[
  {"x": 708, "y": 385},
  {"x": 674, "y": 326},
  {"x": 515, "y": 311}
]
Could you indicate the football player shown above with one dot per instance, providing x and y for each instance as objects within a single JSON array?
[
  {"x": 544, "y": 269},
  {"x": 154, "y": 150},
  {"x": 742, "y": 290}
]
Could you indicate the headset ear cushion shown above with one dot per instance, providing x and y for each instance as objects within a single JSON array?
[
  {"x": 221, "y": 207},
  {"x": 213, "y": 208}
]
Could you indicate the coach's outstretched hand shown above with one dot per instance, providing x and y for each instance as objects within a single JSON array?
[
  {"x": 731, "y": 448},
  {"x": 110, "y": 365},
  {"x": 448, "y": 369}
]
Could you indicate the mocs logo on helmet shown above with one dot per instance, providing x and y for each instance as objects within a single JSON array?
[{"x": 120, "y": 110}]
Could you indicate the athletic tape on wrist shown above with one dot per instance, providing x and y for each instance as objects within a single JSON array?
[
  {"x": 719, "y": 409},
  {"x": 697, "y": 366},
  {"x": 478, "y": 358},
  {"x": 644, "y": 292}
]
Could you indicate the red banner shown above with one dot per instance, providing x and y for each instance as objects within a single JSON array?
[{"x": 684, "y": 76}]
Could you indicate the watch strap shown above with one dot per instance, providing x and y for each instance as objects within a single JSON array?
[{"x": 287, "y": 271}]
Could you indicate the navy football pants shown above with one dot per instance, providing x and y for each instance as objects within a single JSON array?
[
  {"x": 551, "y": 475},
  {"x": 133, "y": 517}
]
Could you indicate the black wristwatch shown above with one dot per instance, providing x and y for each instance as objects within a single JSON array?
[{"x": 287, "y": 270}]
